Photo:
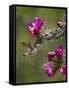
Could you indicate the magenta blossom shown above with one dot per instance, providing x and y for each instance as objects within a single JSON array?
[
  {"x": 63, "y": 70},
  {"x": 49, "y": 69},
  {"x": 51, "y": 55},
  {"x": 35, "y": 26},
  {"x": 59, "y": 51}
]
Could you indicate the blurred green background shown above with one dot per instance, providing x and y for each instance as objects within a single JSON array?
[{"x": 29, "y": 69}]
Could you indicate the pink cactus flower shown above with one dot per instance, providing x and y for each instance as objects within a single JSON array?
[
  {"x": 34, "y": 26},
  {"x": 49, "y": 69}
]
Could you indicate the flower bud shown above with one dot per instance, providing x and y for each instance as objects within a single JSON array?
[
  {"x": 63, "y": 70},
  {"x": 51, "y": 55},
  {"x": 59, "y": 51}
]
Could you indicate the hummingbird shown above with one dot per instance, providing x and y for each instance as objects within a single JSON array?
[{"x": 30, "y": 49}]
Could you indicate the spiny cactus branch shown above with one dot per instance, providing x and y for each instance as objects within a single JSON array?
[
  {"x": 55, "y": 35},
  {"x": 38, "y": 43}
]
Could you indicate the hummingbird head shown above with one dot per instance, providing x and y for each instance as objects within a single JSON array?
[{"x": 37, "y": 46}]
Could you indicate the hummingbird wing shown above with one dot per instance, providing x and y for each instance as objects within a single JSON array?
[{"x": 27, "y": 48}]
